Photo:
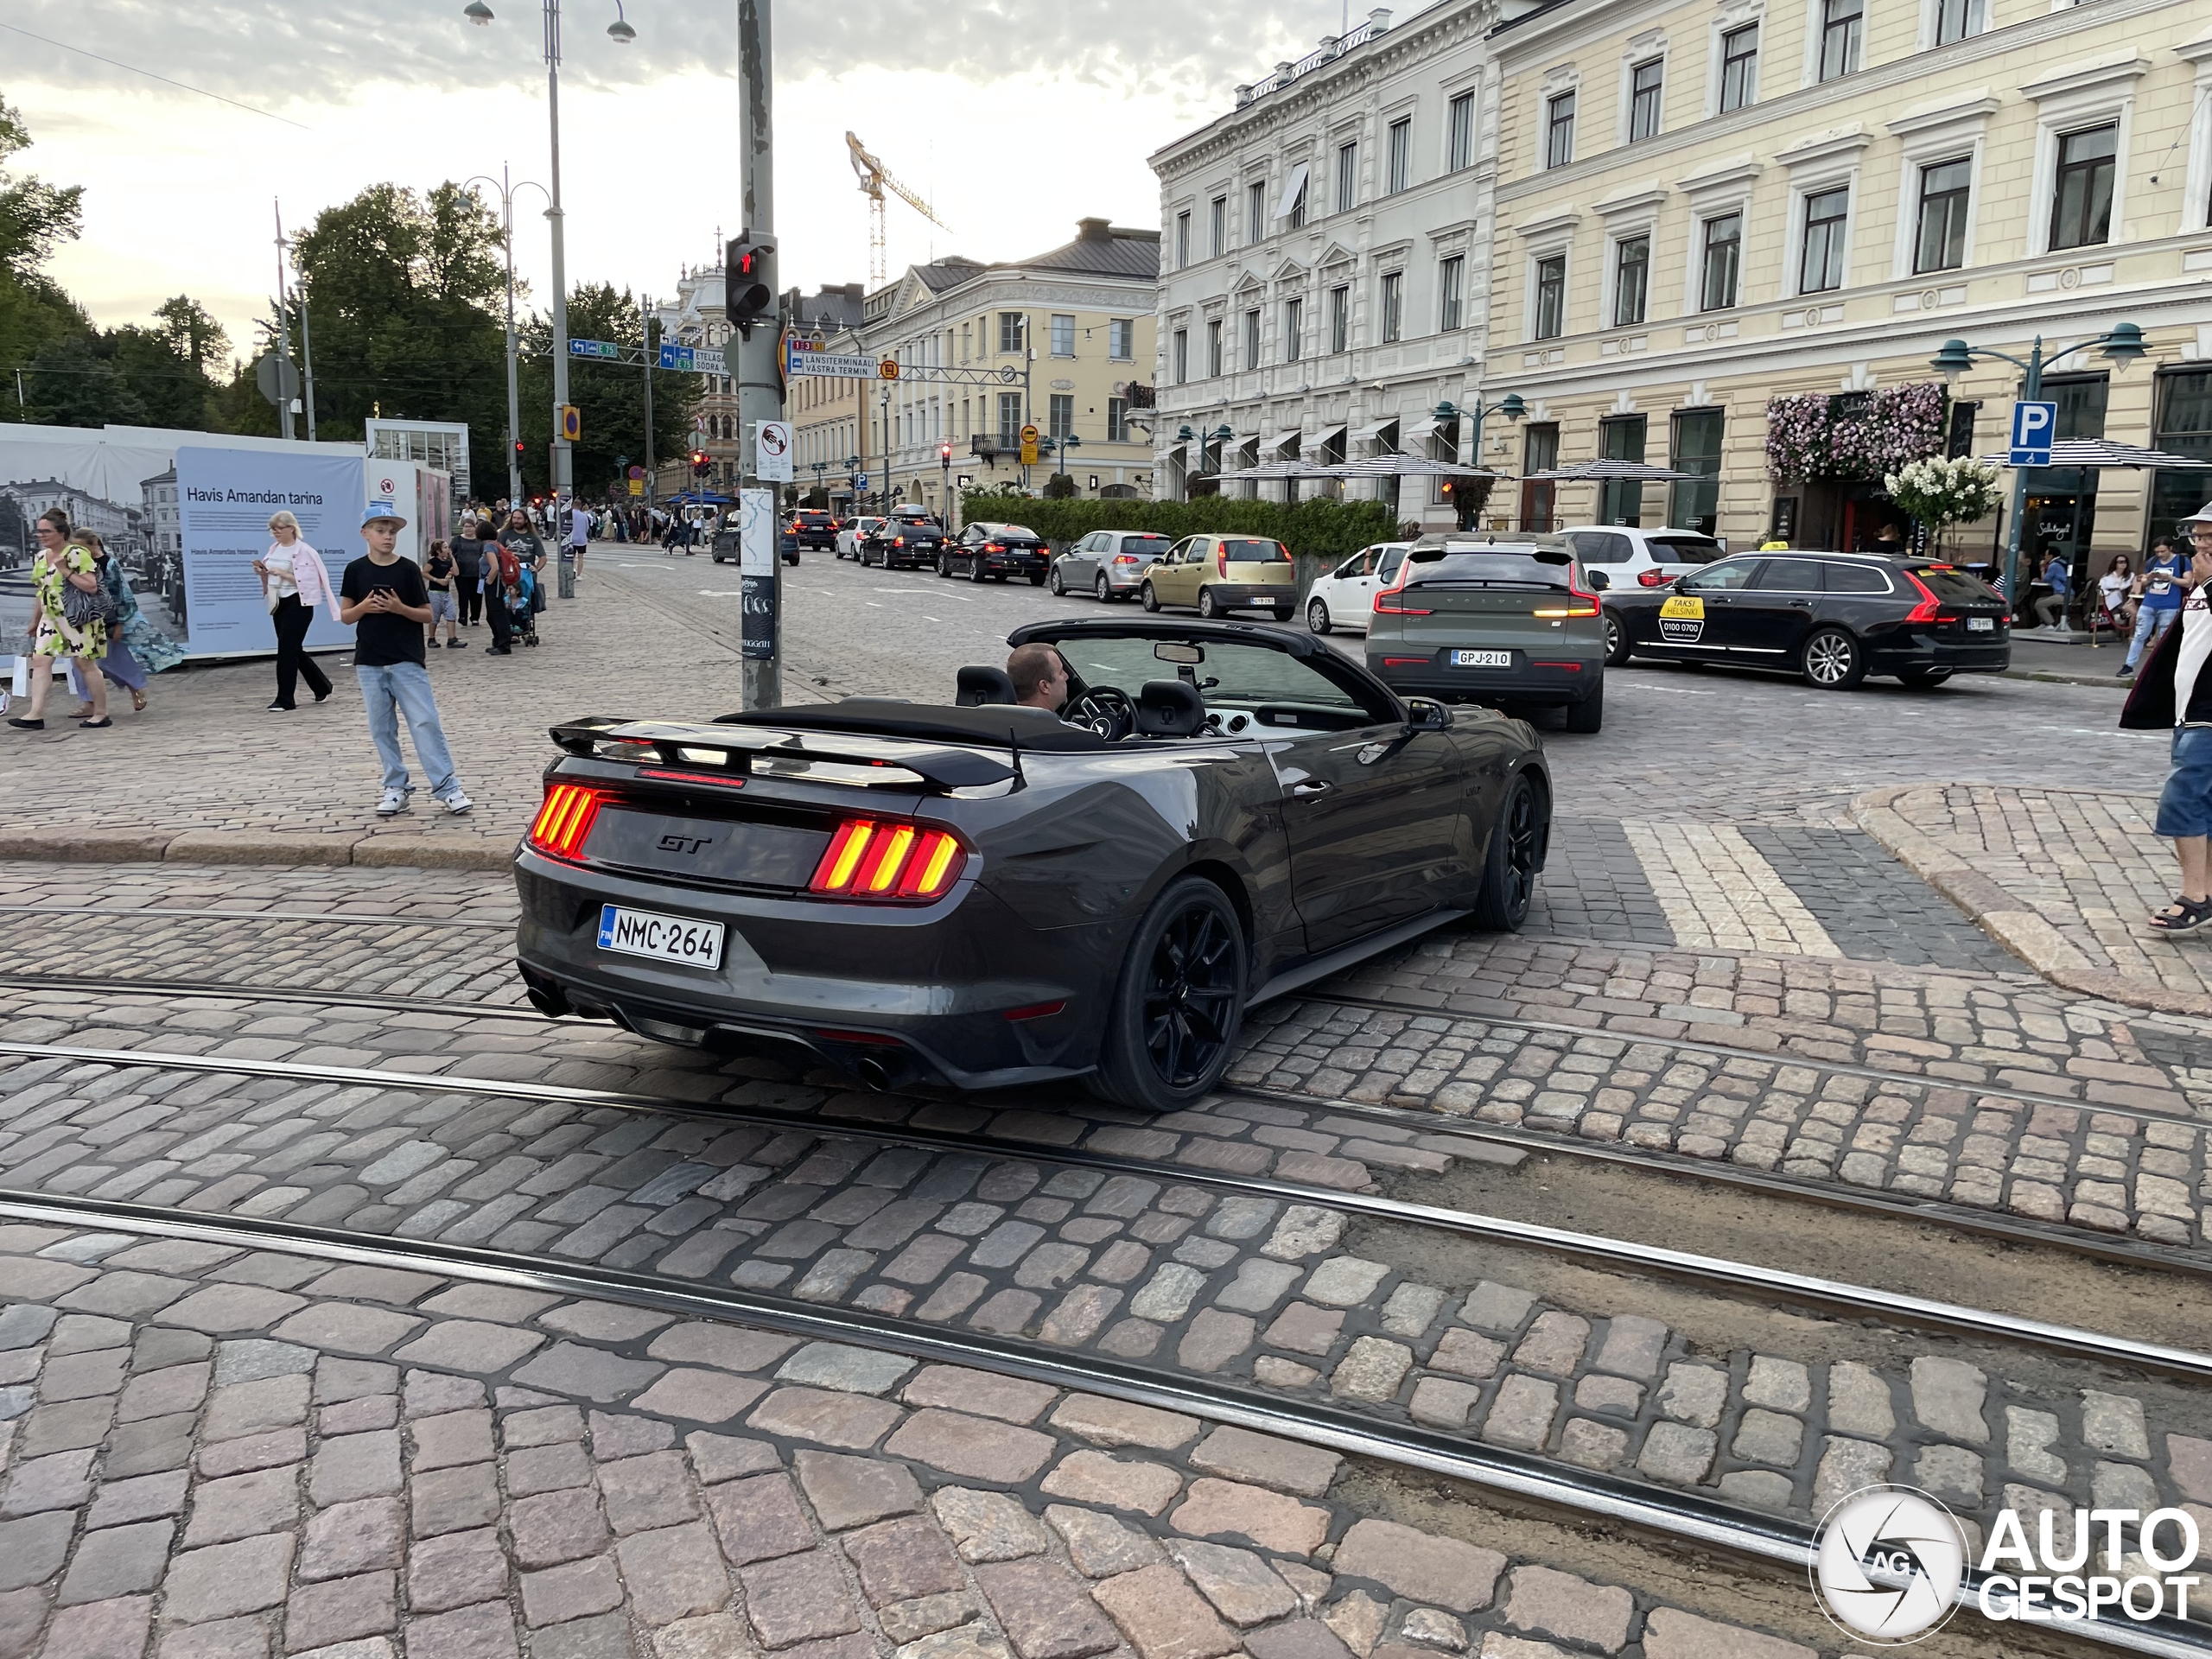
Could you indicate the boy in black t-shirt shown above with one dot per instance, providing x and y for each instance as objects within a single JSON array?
[{"x": 384, "y": 600}]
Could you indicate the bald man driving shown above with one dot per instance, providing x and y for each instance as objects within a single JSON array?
[{"x": 1039, "y": 676}]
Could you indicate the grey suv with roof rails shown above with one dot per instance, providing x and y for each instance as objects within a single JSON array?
[{"x": 1474, "y": 616}]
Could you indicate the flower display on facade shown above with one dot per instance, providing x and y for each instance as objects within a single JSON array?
[
  {"x": 1944, "y": 494},
  {"x": 1856, "y": 438}
]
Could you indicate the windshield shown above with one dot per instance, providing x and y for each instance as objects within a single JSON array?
[
  {"x": 1684, "y": 550},
  {"x": 1236, "y": 675},
  {"x": 1516, "y": 566}
]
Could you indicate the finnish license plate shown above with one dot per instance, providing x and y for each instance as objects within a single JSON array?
[
  {"x": 1981, "y": 624},
  {"x": 1481, "y": 660},
  {"x": 665, "y": 938}
]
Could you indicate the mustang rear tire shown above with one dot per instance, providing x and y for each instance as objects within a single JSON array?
[
  {"x": 1178, "y": 1002},
  {"x": 1516, "y": 842}
]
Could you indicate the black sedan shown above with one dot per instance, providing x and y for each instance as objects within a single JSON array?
[
  {"x": 1833, "y": 618},
  {"x": 904, "y": 543},
  {"x": 994, "y": 552},
  {"x": 975, "y": 895},
  {"x": 813, "y": 528}
]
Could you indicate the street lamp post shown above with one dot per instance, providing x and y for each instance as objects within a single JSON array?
[
  {"x": 2122, "y": 343},
  {"x": 883, "y": 492},
  {"x": 1512, "y": 406},
  {"x": 506, "y": 188},
  {"x": 618, "y": 31}
]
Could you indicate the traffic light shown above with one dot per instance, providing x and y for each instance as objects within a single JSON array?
[
  {"x": 701, "y": 463},
  {"x": 944, "y": 453},
  {"x": 517, "y": 448},
  {"x": 745, "y": 283}
]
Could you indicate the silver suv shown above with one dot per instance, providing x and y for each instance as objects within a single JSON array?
[{"x": 1498, "y": 619}]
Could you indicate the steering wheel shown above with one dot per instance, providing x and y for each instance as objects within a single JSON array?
[{"x": 1105, "y": 709}]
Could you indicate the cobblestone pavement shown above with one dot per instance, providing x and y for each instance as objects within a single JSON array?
[
  {"x": 220, "y": 1451},
  {"x": 1147, "y": 1267},
  {"x": 2070, "y": 874}
]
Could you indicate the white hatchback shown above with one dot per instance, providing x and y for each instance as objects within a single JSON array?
[
  {"x": 852, "y": 533},
  {"x": 1346, "y": 597},
  {"x": 1630, "y": 557}
]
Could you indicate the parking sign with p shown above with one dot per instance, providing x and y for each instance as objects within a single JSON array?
[{"x": 2033, "y": 427}]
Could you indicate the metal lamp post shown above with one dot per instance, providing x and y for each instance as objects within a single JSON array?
[
  {"x": 506, "y": 189},
  {"x": 1512, "y": 406},
  {"x": 2122, "y": 344},
  {"x": 883, "y": 492},
  {"x": 563, "y": 458}
]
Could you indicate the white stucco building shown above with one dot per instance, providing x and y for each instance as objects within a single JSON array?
[{"x": 1324, "y": 259}]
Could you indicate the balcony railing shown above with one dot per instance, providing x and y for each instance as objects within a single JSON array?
[{"x": 1329, "y": 51}]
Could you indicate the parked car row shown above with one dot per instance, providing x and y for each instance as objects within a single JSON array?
[{"x": 1212, "y": 575}]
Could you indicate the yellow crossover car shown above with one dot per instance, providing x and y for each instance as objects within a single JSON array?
[{"x": 1221, "y": 574}]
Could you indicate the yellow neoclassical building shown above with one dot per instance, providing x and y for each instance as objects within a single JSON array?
[{"x": 1705, "y": 207}]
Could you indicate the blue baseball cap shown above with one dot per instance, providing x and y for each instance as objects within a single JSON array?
[{"x": 377, "y": 509}]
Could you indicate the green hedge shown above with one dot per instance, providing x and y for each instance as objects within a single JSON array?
[{"x": 1316, "y": 529}]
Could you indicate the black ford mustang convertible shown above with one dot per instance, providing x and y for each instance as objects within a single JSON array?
[{"x": 976, "y": 895}]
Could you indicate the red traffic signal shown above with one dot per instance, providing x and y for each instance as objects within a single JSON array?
[
  {"x": 747, "y": 295},
  {"x": 944, "y": 452},
  {"x": 701, "y": 462},
  {"x": 517, "y": 448}
]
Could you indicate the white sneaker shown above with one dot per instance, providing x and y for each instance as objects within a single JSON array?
[
  {"x": 457, "y": 803},
  {"x": 391, "y": 804}
]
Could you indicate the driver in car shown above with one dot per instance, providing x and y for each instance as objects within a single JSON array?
[{"x": 1039, "y": 676}]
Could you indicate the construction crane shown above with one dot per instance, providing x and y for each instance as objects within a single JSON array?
[{"x": 875, "y": 178}]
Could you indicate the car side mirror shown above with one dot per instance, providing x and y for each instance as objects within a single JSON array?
[
  {"x": 1425, "y": 714},
  {"x": 1599, "y": 581}
]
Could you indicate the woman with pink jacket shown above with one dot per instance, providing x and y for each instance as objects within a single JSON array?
[{"x": 294, "y": 583}]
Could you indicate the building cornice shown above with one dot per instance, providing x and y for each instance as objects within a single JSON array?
[
  {"x": 2092, "y": 75},
  {"x": 1977, "y": 105},
  {"x": 1825, "y": 147}
]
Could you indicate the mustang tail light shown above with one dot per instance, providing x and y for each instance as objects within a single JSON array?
[
  {"x": 868, "y": 858},
  {"x": 1653, "y": 578},
  {"x": 565, "y": 819}
]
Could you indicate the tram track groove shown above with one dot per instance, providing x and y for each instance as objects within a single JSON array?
[
  {"x": 1733, "y": 1277},
  {"x": 95, "y": 984},
  {"x": 1683, "y": 1517},
  {"x": 2022, "y": 1230}
]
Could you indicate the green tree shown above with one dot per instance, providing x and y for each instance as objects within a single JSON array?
[
  {"x": 35, "y": 217},
  {"x": 188, "y": 332},
  {"x": 610, "y": 398},
  {"x": 406, "y": 299}
]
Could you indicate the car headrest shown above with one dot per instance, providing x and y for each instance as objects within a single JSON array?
[
  {"x": 980, "y": 686},
  {"x": 1169, "y": 709}
]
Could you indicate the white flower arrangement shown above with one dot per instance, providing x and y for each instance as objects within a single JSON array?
[{"x": 1942, "y": 494}]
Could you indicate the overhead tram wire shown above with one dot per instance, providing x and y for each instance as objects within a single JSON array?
[{"x": 117, "y": 63}]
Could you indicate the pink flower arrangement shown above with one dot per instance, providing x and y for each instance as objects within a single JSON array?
[{"x": 1811, "y": 437}]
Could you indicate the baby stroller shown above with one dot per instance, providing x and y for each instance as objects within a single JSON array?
[{"x": 522, "y": 606}]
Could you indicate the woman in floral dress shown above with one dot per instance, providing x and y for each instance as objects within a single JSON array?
[{"x": 58, "y": 567}]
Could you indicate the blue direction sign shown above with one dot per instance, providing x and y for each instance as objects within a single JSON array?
[
  {"x": 594, "y": 348},
  {"x": 2033, "y": 427}
]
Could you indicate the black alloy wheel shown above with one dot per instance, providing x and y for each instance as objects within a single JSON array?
[
  {"x": 976, "y": 571},
  {"x": 1180, "y": 1002},
  {"x": 1516, "y": 853}
]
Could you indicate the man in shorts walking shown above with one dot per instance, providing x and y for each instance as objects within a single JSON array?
[{"x": 2174, "y": 692}]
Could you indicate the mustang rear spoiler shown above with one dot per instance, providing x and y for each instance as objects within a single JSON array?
[{"x": 766, "y": 752}]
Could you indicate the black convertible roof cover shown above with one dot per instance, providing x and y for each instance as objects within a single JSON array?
[
  {"x": 1170, "y": 627},
  {"x": 1000, "y": 726}
]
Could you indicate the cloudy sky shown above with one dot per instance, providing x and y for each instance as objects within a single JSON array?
[{"x": 1013, "y": 117}]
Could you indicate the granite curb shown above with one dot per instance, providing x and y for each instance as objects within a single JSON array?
[
  {"x": 2011, "y": 921},
  {"x": 410, "y": 849}
]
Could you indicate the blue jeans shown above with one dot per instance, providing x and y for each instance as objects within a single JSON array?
[
  {"x": 2185, "y": 804},
  {"x": 403, "y": 689},
  {"x": 2150, "y": 627}
]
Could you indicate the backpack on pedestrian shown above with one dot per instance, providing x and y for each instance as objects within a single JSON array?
[{"x": 510, "y": 567}]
